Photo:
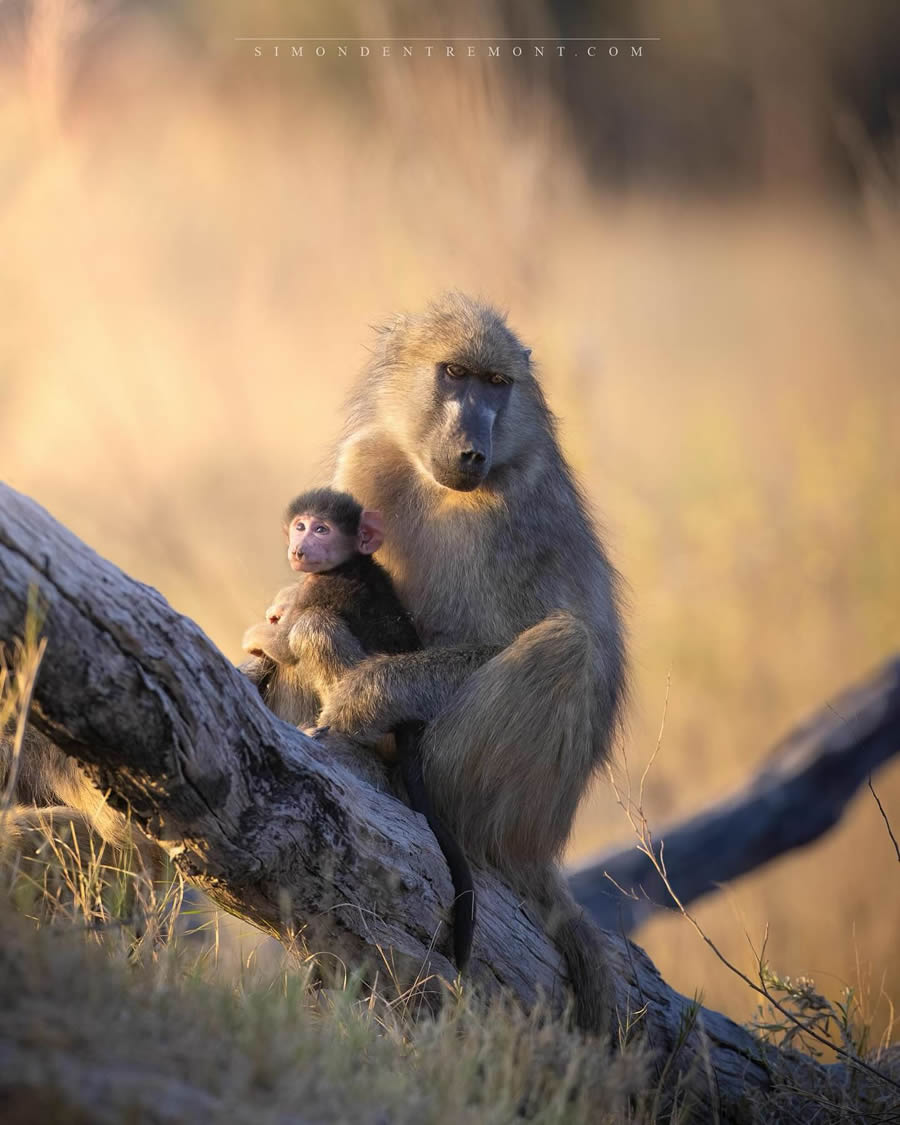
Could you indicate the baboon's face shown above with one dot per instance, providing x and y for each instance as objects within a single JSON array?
[
  {"x": 459, "y": 450},
  {"x": 316, "y": 543},
  {"x": 458, "y": 383}
]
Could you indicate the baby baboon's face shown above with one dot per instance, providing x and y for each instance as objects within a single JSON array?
[{"x": 316, "y": 543}]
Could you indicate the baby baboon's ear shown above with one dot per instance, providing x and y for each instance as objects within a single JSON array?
[
  {"x": 526, "y": 352},
  {"x": 371, "y": 533}
]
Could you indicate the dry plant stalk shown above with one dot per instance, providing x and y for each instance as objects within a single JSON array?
[{"x": 800, "y": 991}]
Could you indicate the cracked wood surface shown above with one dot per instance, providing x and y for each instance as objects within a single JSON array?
[{"x": 258, "y": 816}]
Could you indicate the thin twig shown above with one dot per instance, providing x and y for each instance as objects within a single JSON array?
[
  {"x": 645, "y": 844},
  {"x": 884, "y": 818}
]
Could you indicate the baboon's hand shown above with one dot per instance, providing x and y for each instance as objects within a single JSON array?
[
  {"x": 359, "y": 705},
  {"x": 284, "y": 603},
  {"x": 267, "y": 640},
  {"x": 381, "y": 692},
  {"x": 275, "y": 612}
]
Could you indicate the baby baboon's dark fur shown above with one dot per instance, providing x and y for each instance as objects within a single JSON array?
[{"x": 357, "y": 597}]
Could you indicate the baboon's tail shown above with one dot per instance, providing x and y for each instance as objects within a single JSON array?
[
  {"x": 408, "y": 738},
  {"x": 580, "y": 944}
]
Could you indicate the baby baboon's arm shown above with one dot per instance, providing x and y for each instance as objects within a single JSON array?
[
  {"x": 284, "y": 603},
  {"x": 266, "y": 643},
  {"x": 382, "y": 692},
  {"x": 316, "y": 639}
]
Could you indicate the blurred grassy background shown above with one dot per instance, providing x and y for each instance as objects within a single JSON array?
[{"x": 701, "y": 246}]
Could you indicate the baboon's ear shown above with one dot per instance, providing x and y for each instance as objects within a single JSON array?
[
  {"x": 526, "y": 352},
  {"x": 371, "y": 533},
  {"x": 390, "y": 325}
]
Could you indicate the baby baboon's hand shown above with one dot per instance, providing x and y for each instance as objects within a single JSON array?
[
  {"x": 267, "y": 640},
  {"x": 283, "y": 603}
]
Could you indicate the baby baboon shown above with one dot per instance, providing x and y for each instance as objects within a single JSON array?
[
  {"x": 522, "y": 677},
  {"x": 345, "y": 610}
]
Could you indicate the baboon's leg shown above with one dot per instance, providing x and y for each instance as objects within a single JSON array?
[
  {"x": 26, "y": 828},
  {"x": 48, "y": 777},
  {"x": 510, "y": 756},
  {"x": 317, "y": 642},
  {"x": 513, "y": 735}
]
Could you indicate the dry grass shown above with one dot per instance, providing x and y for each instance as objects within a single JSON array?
[
  {"x": 191, "y": 256},
  {"x": 149, "y": 1032},
  {"x": 115, "y": 1005}
]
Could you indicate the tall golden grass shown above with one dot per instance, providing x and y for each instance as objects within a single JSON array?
[{"x": 191, "y": 255}]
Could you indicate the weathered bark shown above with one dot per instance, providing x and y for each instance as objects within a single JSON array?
[
  {"x": 257, "y": 815},
  {"x": 801, "y": 791}
]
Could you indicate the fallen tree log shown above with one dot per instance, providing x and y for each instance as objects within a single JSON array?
[
  {"x": 801, "y": 791},
  {"x": 259, "y": 817}
]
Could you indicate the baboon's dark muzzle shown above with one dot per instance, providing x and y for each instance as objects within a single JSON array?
[{"x": 462, "y": 466}]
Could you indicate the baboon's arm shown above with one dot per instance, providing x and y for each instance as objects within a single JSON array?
[
  {"x": 381, "y": 692},
  {"x": 323, "y": 646},
  {"x": 315, "y": 639}
]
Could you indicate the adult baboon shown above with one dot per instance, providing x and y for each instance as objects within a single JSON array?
[{"x": 522, "y": 677}]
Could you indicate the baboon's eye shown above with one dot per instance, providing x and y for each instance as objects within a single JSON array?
[
  {"x": 499, "y": 380},
  {"x": 456, "y": 371}
]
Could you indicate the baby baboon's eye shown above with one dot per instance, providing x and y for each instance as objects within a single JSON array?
[
  {"x": 456, "y": 371},
  {"x": 500, "y": 380}
]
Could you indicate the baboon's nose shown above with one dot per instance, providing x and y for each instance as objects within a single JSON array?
[{"x": 471, "y": 457}]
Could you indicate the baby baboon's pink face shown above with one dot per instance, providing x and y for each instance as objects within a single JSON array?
[{"x": 316, "y": 544}]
